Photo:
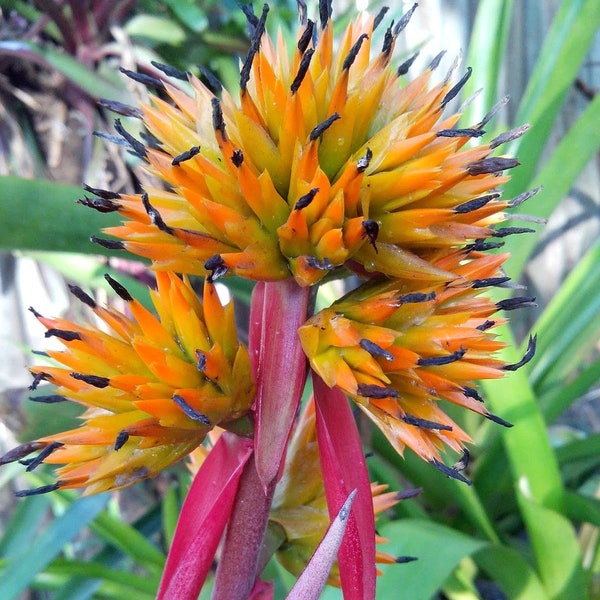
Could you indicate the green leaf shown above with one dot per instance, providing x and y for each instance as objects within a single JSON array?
[
  {"x": 575, "y": 150},
  {"x": 23, "y": 525},
  {"x": 159, "y": 30},
  {"x": 555, "y": 545},
  {"x": 569, "y": 327},
  {"x": 565, "y": 47},
  {"x": 22, "y": 569},
  {"x": 37, "y": 214},
  {"x": 511, "y": 572},
  {"x": 438, "y": 549},
  {"x": 487, "y": 46}
]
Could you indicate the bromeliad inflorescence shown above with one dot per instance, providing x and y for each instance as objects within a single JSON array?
[{"x": 327, "y": 164}]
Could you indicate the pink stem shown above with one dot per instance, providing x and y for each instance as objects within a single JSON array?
[{"x": 237, "y": 569}]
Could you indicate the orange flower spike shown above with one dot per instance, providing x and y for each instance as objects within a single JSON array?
[{"x": 156, "y": 388}]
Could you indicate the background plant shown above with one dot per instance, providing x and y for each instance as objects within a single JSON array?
[{"x": 528, "y": 523}]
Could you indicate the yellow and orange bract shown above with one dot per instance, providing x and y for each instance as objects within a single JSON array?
[
  {"x": 325, "y": 158},
  {"x": 300, "y": 507},
  {"x": 153, "y": 387}
]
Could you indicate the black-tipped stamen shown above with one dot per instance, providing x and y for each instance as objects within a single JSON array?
[
  {"x": 200, "y": 361},
  {"x": 414, "y": 297},
  {"x": 476, "y": 204},
  {"x": 251, "y": 18},
  {"x": 452, "y": 133},
  {"x": 486, "y": 325},
  {"x": 142, "y": 78},
  {"x": 44, "y": 489},
  {"x": 488, "y": 117},
  {"x": 449, "y": 471},
  {"x": 187, "y": 155},
  {"x": 470, "y": 392},
  {"x": 49, "y": 399},
  {"x": 437, "y": 361},
  {"x": 364, "y": 161},
  {"x": 62, "y": 334},
  {"x": 453, "y": 92},
  {"x": 37, "y": 378},
  {"x": 517, "y": 200},
  {"x": 237, "y": 158},
  {"x": 408, "y": 494},
  {"x": 93, "y": 380},
  {"x": 106, "y": 194},
  {"x": 211, "y": 79},
  {"x": 218, "y": 122},
  {"x": 322, "y": 265},
  {"x": 151, "y": 140},
  {"x": 482, "y": 245},
  {"x": 302, "y": 70},
  {"x": 135, "y": 144},
  {"x": 375, "y": 349},
  {"x": 529, "y": 354},
  {"x": 488, "y": 282},
  {"x": 425, "y": 423},
  {"x": 120, "y": 290},
  {"x": 506, "y": 231},
  {"x": 401, "y": 560},
  {"x": 498, "y": 420},
  {"x": 306, "y": 36},
  {"x": 113, "y": 139},
  {"x": 494, "y": 164},
  {"x": 377, "y": 392},
  {"x": 325, "y": 11},
  {"x": 353, "y": 53},
  {"x": 120, "y": 108},
  {"x": 404, "y": 20},
  {"x": 516, "y": 303},
  {"x": 371, "y": 231},
  {"x": 406, "y": 65},
  {"x": 34, "y": 312},
  {"x": 82, "y": 296},
  {"x": 108, "y": 244},
  {"x": 217, "y": 267},
  {"x": 20, "y": 452},
  {"x": 256, "y": 35},
  {"x": 189, "y": 411},
  {"x": 170, "y": 71},
  {"x": 305, "y": 200},
  {"x": 102, "y": 205},
  {"x": 47, "y": 451},
  {"x": 121, "y": 439},
  {"x": 463, "y": 462},
  {"x": 155, "y": 216},
  {"x": 435, "y": 63},
  {"x": 508, "y": 136},
  {"x": 379, "y": 17},
  {"x": 320, "y": 129}
]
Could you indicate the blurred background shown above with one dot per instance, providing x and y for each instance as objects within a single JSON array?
[{"x": 59, "y": 63}]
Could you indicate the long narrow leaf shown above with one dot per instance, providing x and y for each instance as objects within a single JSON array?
[{"x": 22, "y": 569}]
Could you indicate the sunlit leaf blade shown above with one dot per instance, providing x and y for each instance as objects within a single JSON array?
[
  {"x": 557, "y": 176},
  {"x": 278, "y": 310},
  {"x": 569, "y": 326},
  {"x": 565, "y": 47},
  {"x": 582, "y": 509},
  {"x": 312, "y": 580},
  {"x": 438, "y": 549},
  {"x": 487, "y": 46},
  {"x": 23, "y": 525},
  {"x": 42, "y": 215},
  {"x": 557, "y": 552},
  {"x": 22, "y": 569},
  {"x": 203, "y": 518},
  {"x": 344, "y": 469}
]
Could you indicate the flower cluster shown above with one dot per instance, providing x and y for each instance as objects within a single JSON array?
[{"x": 327, "y": 165}]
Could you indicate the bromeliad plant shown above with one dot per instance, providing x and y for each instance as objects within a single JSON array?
[{"x": 326, "y": 167}]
